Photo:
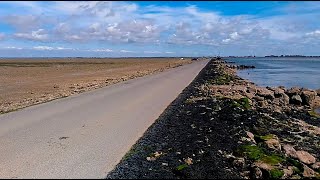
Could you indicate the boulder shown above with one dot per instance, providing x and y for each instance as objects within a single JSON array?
[
  {"x": 288, "y": 172},
  {"x": 293, "y": 91},
  {"x": 262, "y": 165},
  {"x": 308, "y": 172},
  {"x": 273, "y": 144},
  {"x": 282, "y": 87},
  {"x": 308, "y": 97},
  {"x": 316, "y": 166},
  {"x": 318, "y": 92},
  {"x": 258, "y": 98},
  {"x": 296, "y": 99},
  {"x": 251, "y": 136},
  {"x": 257, "y": 173},
  {"x": 284, "y": 99},
  {"x": 267, "y": 94},
  {"x": 305, "y": 157},
  {"x": 262, "y": 104},
  {"x": 251, "y": 89},
  {"x": 290, "y": 151},
  {"x": 239, "y": 162},
  {"x": 278, "y": 92}
]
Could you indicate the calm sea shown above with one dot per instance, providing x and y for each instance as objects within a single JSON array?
[{"x": 286, "y": 71}]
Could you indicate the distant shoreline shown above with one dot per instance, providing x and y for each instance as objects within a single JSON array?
[{"x": 143, "y": 57}]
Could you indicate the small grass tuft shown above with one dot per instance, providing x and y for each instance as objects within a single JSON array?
[{"x": 181, "y": 167}]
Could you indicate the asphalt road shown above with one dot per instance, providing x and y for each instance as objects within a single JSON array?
[{"x": 86, "y": 135}]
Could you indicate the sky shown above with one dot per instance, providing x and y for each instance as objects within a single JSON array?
[{"x": 155, "y": 28}]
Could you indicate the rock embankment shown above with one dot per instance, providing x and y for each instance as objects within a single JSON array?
[{"x": 222, "y": 126}]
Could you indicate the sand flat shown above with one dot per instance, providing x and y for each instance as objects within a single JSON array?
[{"x": 25, "y": 82}]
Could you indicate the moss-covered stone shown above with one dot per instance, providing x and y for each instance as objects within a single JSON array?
[
  {"x": 272, "y": 159},
  {"x": 252, "y": 152},
  {"x": 276, "y": 173},
  {"x": 245, "y": 103},
  {"x": 181, "y": 167},
  {"x": 313, "y": 114},
  {"x": 258, "y": 138},
  {"x": 223, "y": 79},
  {"x": 296, "y": 164},
  {"x": 236, "y": 104}
]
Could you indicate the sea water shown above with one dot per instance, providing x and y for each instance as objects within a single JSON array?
[{"x": 282, "y": 71}]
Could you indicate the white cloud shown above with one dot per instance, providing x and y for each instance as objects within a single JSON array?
[
  {"x": 169, "y": 52},
  {"x": 315, "y": 33},
  {"x": 234, "y": 35},
  {"x": 49, "y": 48},
  {"x": 127, "y": 22},
  {"x": 73, "y": 37},
  {"x": 126, "y": 51},
  {"x": 226, "y": 40},
  {"x": 64, "y": 48},
  {"x": 101, "y": 50},
  {"x": 12, "y": 47},
  {"x": 43, "y": 48},
  {"x": 38, "y": 35}
]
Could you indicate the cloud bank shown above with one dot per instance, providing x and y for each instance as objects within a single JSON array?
[{"x": 109, "y": 27}]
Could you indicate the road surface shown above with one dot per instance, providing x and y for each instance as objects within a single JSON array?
[{"x": 86, "y": 135}]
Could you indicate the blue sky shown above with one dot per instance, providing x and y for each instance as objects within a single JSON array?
[{"x": 155, "y": 28}]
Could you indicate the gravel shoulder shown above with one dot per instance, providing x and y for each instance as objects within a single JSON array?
[{"x": 223, "y": 127}]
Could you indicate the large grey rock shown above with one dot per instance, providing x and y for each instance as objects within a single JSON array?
[
  {"x": 296, "y": 99},
  {"x": 316, "y": 166},
  {"x": 308, "y": 172},
  {"x": 278, "y": 92},
  {"x": 290, "y": 151},
  {"x": 308, "y": 97},
  {"x": 293, "y": 91},
  {"x": 318, "y": 92},
  {"x": 305, "y": 157},
  {"x": 285, "y": 99},
  {"x": 267, "y": 94}
]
